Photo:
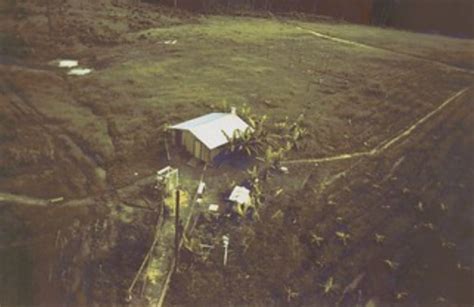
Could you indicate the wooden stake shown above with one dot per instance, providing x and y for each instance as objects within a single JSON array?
[
  {"x": 167, "y": 150},
  {"x": 177, "y": 228}
]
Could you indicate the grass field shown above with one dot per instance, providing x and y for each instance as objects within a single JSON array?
[{"x": 78, "y": 136}]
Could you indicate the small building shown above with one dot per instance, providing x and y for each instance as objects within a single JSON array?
[{"x": 205, "y": 136}]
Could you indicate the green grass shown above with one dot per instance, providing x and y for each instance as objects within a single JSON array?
[
  {"x": 453, "y": 51},
  {"x": 237, "y": 60},
  {"x": 274, "y": 67}
]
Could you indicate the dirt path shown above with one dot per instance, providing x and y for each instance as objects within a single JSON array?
[
  {"x": 8, "y": 198},
  {"x": 384, "y": 145},
  {"x": 362, "y": 45}
]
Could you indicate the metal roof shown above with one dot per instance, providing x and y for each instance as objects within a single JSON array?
[{"x": 210, "y": 128}]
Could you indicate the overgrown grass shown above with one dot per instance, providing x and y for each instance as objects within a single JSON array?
[
  {"x": 6, "y": 6},
  {"x": 11, "y": 45},
  {"x": 274, "y": 67},
  {"x": 240, "y": 61}
]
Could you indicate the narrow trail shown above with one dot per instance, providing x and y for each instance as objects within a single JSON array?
[
  {"x": 122, "y": 192},
  {"x": 166, "y": 284},
  {"x": 386, "y": 144},
  {"x": 443, "y": 65}
]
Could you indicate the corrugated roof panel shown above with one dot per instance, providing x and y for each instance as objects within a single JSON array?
[
  {"x": 187, "y": 125},
  {"x": 210, "y": 128}
]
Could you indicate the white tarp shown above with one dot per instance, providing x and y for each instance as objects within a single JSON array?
[
  {"x": 68, "y": 63},
  {"x": 240, "y": 195},
  {"x": 213, "y": 208},
  {"x": 79, "y": 71}
]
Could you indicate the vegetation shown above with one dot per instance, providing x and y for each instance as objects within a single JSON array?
[{"x": 12, "y": 45}]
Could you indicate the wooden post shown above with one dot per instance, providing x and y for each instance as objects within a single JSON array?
[
  {"x": 49, "y": 17},
  {"x": 177, "y": 228}
]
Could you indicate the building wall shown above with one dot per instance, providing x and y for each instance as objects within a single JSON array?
[
  {"x": 188, "y": 141},
  {"x": 200, "y": 151}
]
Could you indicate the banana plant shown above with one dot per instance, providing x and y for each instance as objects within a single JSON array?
[
  {"x": 231, "y": 141},
  {"x": 290, "y": 294},
  {"x": 344, "y": 237},
  {"x": 329, "y": 286},
  {"x": 379, "y": 239},
  {"x": 253, "y": 173},
  {"x": 392, "y": 265},
  {"x": 315, "y": 239}
]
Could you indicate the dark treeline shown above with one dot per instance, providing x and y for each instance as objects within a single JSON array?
[
  {"x": 352, "y": 10},
  {"x": 454, "y": 17}
]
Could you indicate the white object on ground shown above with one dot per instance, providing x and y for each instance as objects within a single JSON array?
[
  {"x": 201, "y": 187},
  {"x": 213, "y": 207},
  {"x": 79, "y": 71},
  {"x": 284, "y": 170},
  {"x": 240, "y": 195},
  {"x": 68, "y": 63},
  {"x": 225, "y": 242},
  {"x": 171, "y": 42}
]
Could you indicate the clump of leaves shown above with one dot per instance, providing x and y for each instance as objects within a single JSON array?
[
  {"x": 447, "y": 244},
  {"x": 401, "y": 295},
  {"x": 461, "y": 267},
  {"x": 443, "y": 207},
  {"x": 420, "y": 207}
]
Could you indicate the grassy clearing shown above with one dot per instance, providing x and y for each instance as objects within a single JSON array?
[
  {"x": 349, "y": 95},
  {"x": 452, "y": 51},
  {"x": 278, "y": 69}
]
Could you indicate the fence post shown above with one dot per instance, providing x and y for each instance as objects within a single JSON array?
[{"x": 177, "y": 227}]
